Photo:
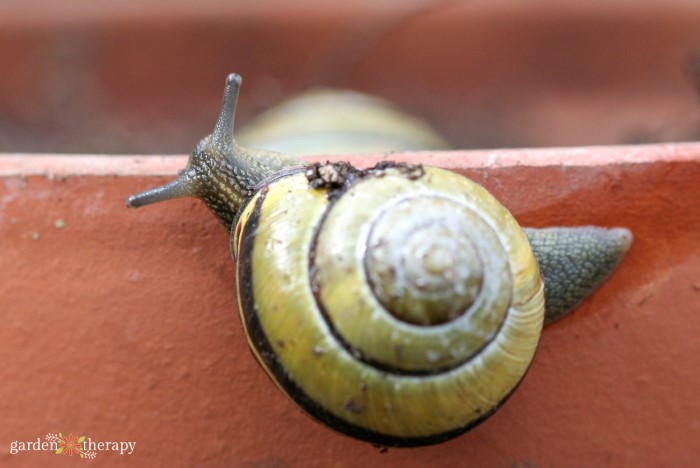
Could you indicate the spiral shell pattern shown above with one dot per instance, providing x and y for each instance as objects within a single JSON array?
[{"x": 402, "y": 312}]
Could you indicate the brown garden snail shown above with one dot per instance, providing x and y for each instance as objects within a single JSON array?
[{"x": 401, "y": 304}]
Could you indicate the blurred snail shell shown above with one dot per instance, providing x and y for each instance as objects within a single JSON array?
[
  {"x": 400, "y": 304},
  {"x": 333, "y": 121}
]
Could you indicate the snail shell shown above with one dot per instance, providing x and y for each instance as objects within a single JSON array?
[
  {"x": 400, "y": 305},
  {"x": 333, "y": 121},
  {"x": 402, "y": 312}
]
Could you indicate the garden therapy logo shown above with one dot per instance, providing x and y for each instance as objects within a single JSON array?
[{"x": 70, "y": 445}]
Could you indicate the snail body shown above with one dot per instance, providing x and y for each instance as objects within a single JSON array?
[{"x": 401, "y": 304}]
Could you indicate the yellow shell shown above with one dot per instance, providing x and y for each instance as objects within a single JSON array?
[
  {"x": 341, "y": 335},
  {"x": 328, "y": 121}
]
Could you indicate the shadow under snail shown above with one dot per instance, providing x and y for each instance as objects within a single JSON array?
[{"x": 400, "y": 305}]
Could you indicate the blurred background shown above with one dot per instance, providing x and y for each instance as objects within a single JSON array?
[{"x": 146, "y": 77}]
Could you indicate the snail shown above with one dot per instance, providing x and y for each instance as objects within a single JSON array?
[
  {"x": 400, "y": 304},
  {"x": 337, "y": 121}
]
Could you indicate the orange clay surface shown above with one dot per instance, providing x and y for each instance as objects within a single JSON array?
[{"x": 121, "y": 325}]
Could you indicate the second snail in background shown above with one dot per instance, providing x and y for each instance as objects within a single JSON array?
[
  {"x": 338, "y": 121},
  {"x": 400, "y": 305}
]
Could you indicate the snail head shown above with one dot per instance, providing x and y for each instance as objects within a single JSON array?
[{"x": 219, "y": 171}]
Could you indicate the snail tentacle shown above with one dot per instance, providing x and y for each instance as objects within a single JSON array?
[{"x": 178, "y": 188}]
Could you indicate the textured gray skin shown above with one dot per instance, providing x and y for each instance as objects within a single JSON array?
[
  {"x": 220, "y": 172},
  {"x": 574, "y": 262}
]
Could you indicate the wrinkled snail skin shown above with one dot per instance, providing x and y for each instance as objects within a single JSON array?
[
  {"x": 220, "y": 172},
  {"x": 400, "y": 305},
  {"x": 574, "y": 262}
]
